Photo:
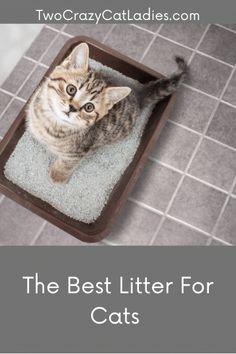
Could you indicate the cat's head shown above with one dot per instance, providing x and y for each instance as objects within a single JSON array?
[{"x": 79, "y": 96}]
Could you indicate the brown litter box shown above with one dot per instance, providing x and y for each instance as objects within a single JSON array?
[{"x": 99, "y": 229}]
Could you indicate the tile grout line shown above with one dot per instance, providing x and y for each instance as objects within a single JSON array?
[
  {"x": 220, "y": 143},
  {"x": 12, "y": 95},
  {"x": 198, "y": 90},
  {"x": 225, "y": 243},
  {"x": 108, "y": 33},
  {"x": 67, "y": 34},
  {"x": 71, "y": 36},
  {"x": 211, "y": 117},
  {"x": 38, "y": 233},
  {"x": 228, "y": 103},
  {"x": 226, "y": 28},
  {"x": 158, "y": 212},
  {"x": 145, "y": 206},
  {"x": 234, "y": 182},
  {"x": 143, "y": 28},
  {"x": 164, "y": 164},
  {"x": 194, "y": 50},
  {"x": 216, "y": 24},
  {"x": 194, "y": 153},
  {"x": 208, "y": 95},
  {"x": 182, "y": 178},
  {"x": 198, "y": 45},
  {"x": 35, "y": 61},
  {"x": 188, "y": 175},
  {"x": 51, "y": 44},
  {"x": 16, "y": 93},
  {"x": 52, "y": 28},
  {"x": 223, "y": 207},
  {"x": 185, "y": 127},
  {"x": 189, "y": 225},
  {"x": 61, "y": 31},
  {"x": 214, "y": 58},
  {"x": 195, "y": 150},
  {"x": 151, "y": 42},
  {"x": 6, "y": 92},
  {"x": 180, "y": 221},
  {"x": 199, "y": 134},
  {"x": 219, "y": 189},
  {"x": 30, "y": 73}
]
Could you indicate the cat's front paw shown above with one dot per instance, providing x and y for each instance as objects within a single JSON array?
[{"x": 58, "y": 176}]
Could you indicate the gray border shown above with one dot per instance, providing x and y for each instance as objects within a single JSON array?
[{"x": 168, "y": 323}]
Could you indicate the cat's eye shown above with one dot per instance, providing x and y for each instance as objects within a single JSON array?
[
  {"x": 88, "y": 107},
  {"x": 71, "y": 90}
]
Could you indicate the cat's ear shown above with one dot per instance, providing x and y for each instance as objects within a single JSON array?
[
  {"x": 116, "y": 94},
  {"x": 79, "y": 57}
]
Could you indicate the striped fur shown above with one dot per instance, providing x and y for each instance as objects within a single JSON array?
[{"x": 76, "y": 110}]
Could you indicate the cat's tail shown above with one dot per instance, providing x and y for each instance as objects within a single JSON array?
[{"x": 161, "y": 88}]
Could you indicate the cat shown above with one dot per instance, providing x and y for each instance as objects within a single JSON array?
[{"x": 76, "y": 110}]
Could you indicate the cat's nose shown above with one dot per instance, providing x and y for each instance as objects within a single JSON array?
[{"x": 72, "y": 108}]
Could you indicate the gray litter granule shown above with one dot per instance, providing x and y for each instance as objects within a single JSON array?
[{"x": 87, "y": 192}]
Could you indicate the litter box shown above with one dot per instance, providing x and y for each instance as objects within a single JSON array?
[{"x": 98, "y": 229}]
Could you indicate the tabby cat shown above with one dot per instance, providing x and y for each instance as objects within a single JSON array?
[{"x": 76, "y": 110}]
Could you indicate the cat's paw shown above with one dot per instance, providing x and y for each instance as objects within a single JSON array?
[{"x": 58, "y": 177}]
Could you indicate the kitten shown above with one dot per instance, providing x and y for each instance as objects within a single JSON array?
[{"x": 76, "y": 110}]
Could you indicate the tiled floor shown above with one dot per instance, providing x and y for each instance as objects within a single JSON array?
[
  {"x": 14, "y": 41},
  {"x": 187, "y": 192}
]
